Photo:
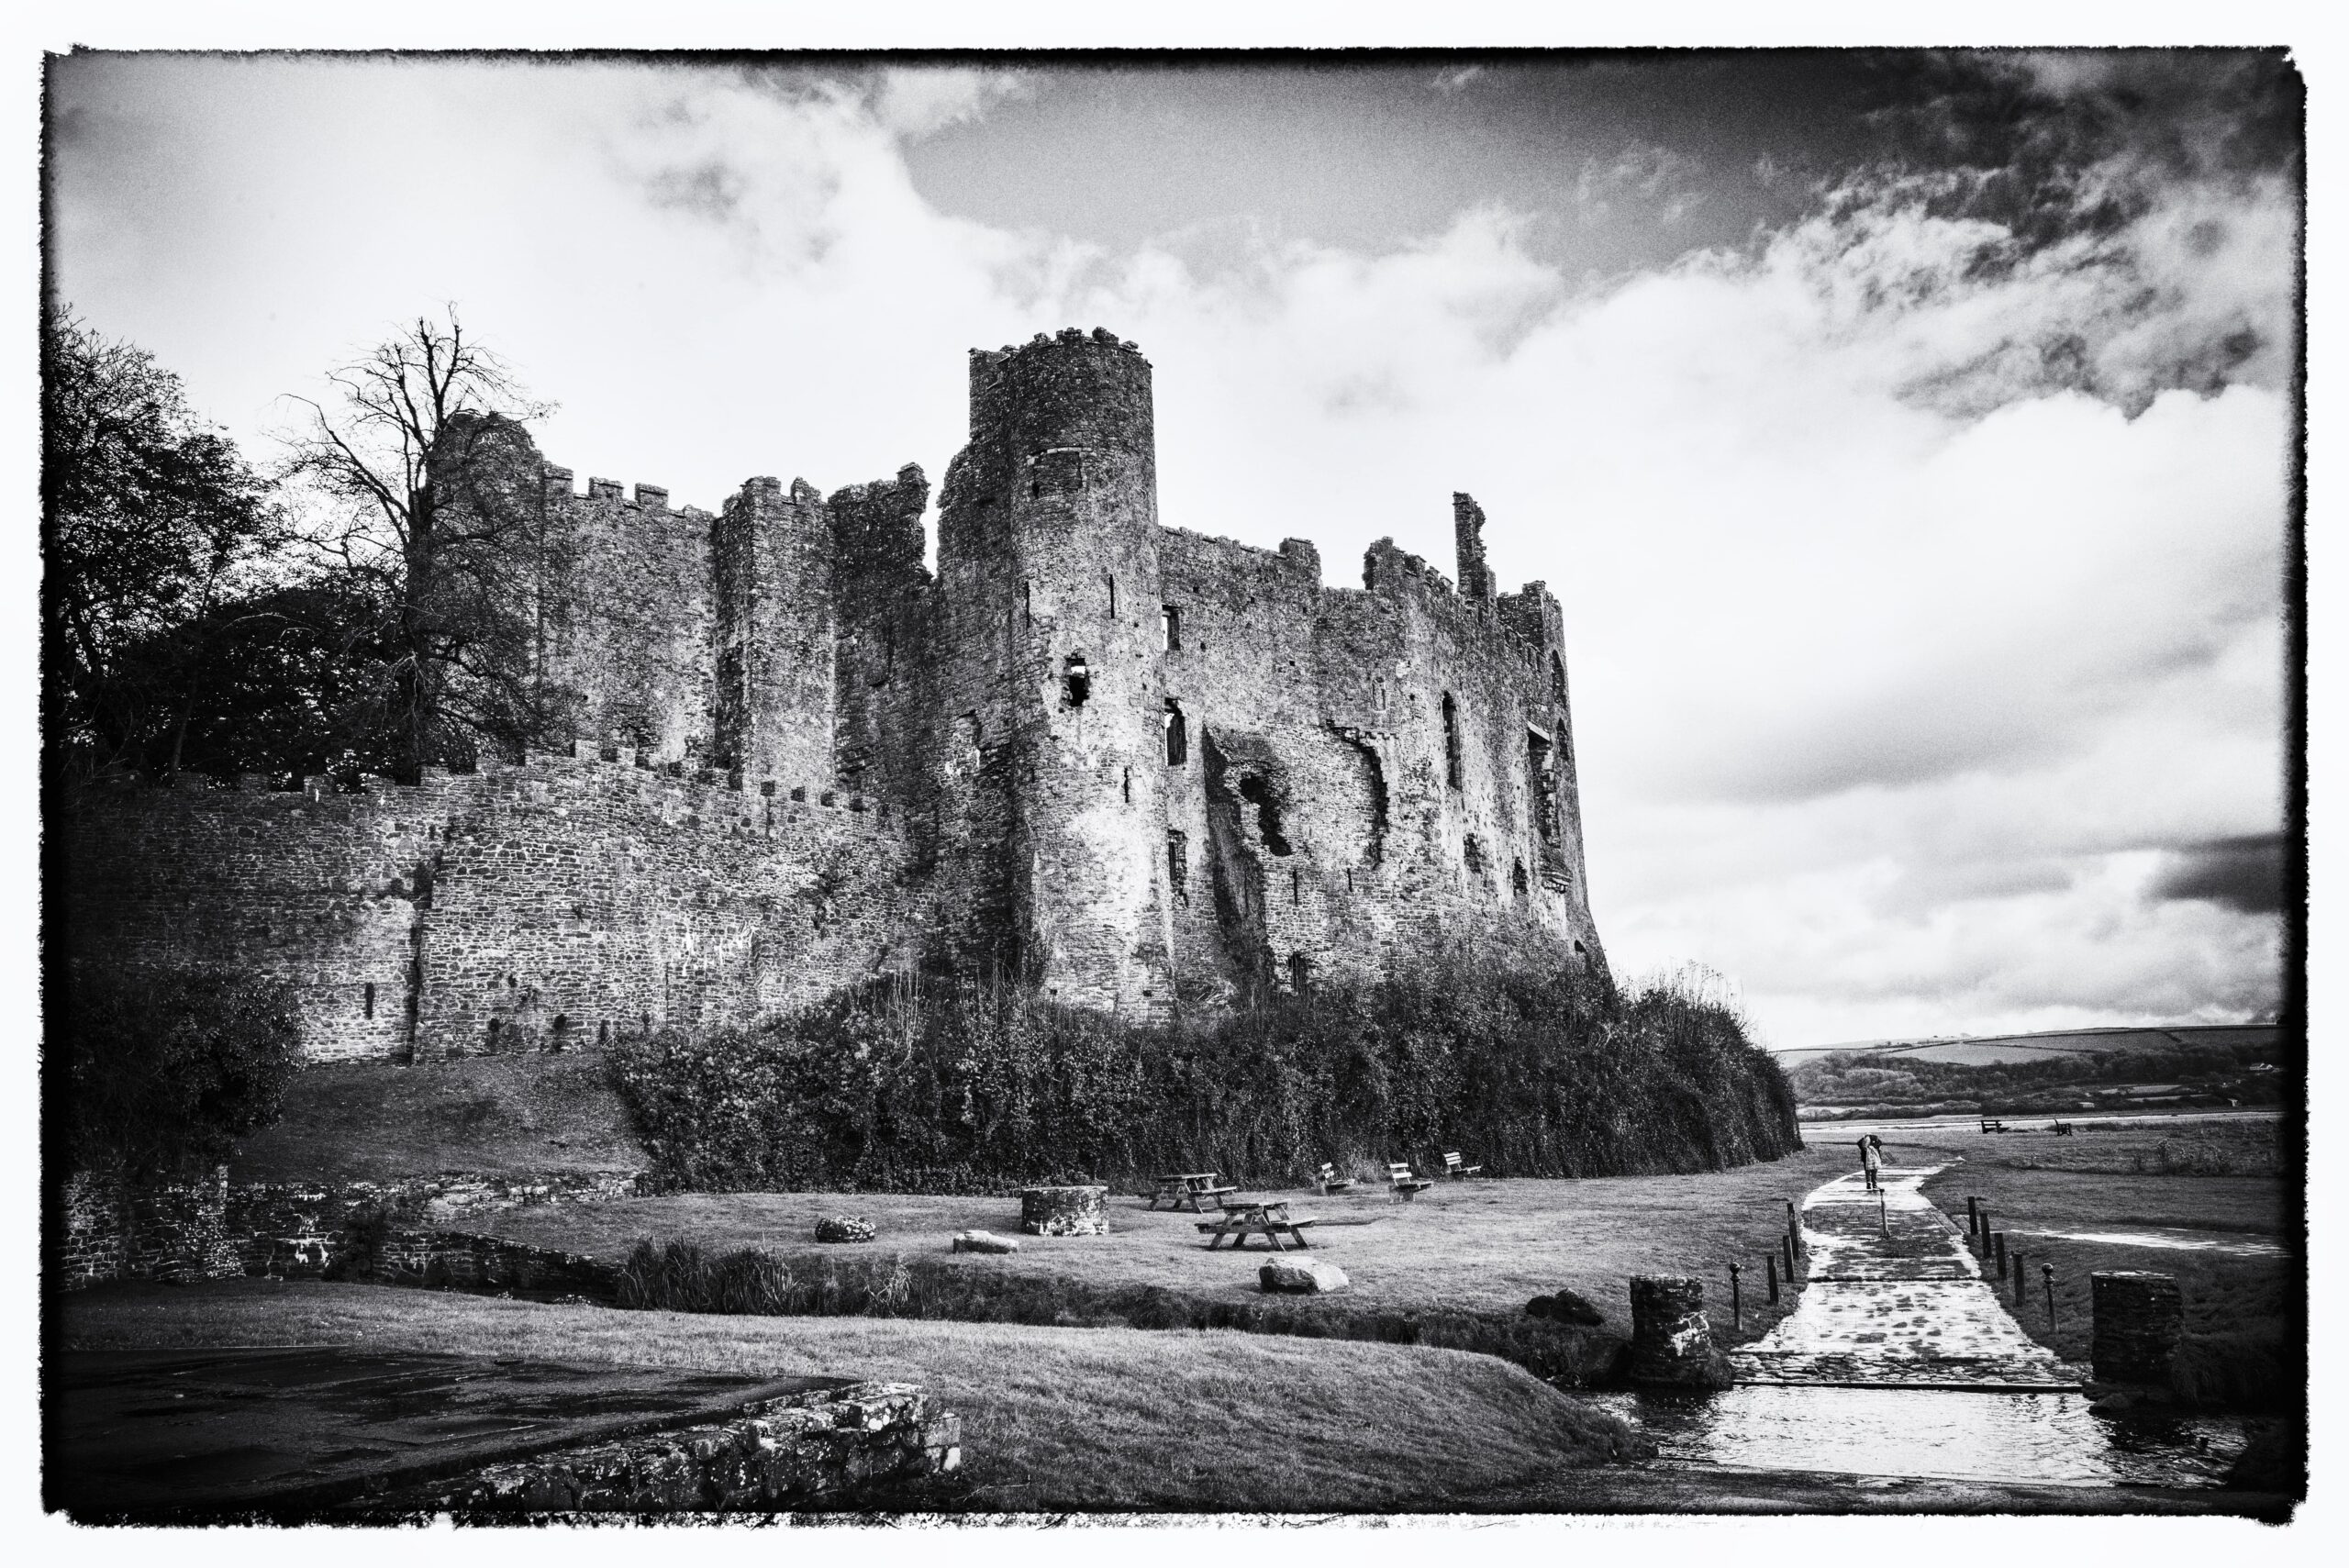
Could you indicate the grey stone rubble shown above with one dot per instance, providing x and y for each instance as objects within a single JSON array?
[
  {"x": 842, "y": 1227},
  {"x": 983, "y": 1241},
  {"x": 1064, "y": 1211},
  {"x": 1302, "y": 1276}
]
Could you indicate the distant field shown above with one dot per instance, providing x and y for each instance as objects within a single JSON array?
[{"x": 1994, "y": 1051}]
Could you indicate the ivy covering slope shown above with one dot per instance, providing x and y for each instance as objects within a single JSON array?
[{"x": 896, "y": 1086}]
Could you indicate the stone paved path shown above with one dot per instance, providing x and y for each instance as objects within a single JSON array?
[{"x": 1905, "y": 1306}]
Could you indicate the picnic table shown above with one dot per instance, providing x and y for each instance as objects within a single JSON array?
[
  {"x": 1189, "y": 1187},
  {"x": 1239, "y": 1220}
]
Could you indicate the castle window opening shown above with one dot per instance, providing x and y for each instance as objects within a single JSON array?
[
  {"x": 1126, "y": 784},
  {"x": 511, "y": 983},
  {"x": 1517, "y": 877},
  {"x": 1178, "y": 737},
  {"x": 1113, "y": 598},
  {"x": 561, "y": 1029},
  {"x": 1258, "y": 794},
  {"x": 1296, "y": 885},
  {"x": 1178, "y": 856},
  {"x": 1077, "y": 680},
  {"x": 1541, "y": 773},
  {"x": 1472, "y": 849},
  {"x": 1450, "y": 743},
  {"x": 371, "y": 999},
  {"x": 603, "y": 1032},
  {"x": 1027, "y": 603},
  {"x": 1557, "y": 679},
  {"x": 1169, "y": 621},
  {"x": 1300, "y": 975},
  {"x": 493, "y": 1033}
]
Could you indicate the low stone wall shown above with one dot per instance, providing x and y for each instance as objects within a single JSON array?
[
  {"x": 106, "y": 1230},
  {"x": 460, "y": 1262},
  {"x": 219, "y": 1229},
  {"x": 793, "y": 1451}
]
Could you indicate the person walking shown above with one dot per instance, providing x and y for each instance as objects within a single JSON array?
[{"x": 1871, "y": 1158}]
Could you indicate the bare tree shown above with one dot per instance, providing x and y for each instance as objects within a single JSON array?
[{"x": 434, "y": 511}]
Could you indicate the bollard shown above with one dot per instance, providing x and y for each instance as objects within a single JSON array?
[
  {"x": 1772, "y": 1264},
  {"x": 1672, "y": 1341},
  {"x": 2047, "y": 1277},
  {"x": 1736, "y": 1302},
  {"x": 1883, "y": 1225},
  {"x": 1973, "y": 1217},
  {"x": 2136, "y": 1318},
  {"x": 1999, "y": 1245},
  {"x": 2018, "y": 1285}
]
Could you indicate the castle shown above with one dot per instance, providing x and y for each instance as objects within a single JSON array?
[{"x": 1141, "y": 768}]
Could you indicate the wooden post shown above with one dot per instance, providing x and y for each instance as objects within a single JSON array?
[
  {"x": 1973, "y": 1217},
  {"x": 1883, "y": 1224},
  {"x": 1788, "y": 1243},
  {"x": 1771, "y": 1264},
  {"x": 2019, "y": 1279},
  {"x": 2047, "y": 1276},
  {"x": 1736, "y": 1302},
  {"x": 1794, "y": 1226},
  {"x": 1982, "y": 1242},
  {"x": 1999, "y": 1244}
]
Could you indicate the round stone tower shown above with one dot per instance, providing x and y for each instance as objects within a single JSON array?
[{"x": 1048, "y": 531}]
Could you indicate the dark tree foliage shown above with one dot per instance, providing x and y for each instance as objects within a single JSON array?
[
  {"x": 148, "y": 518},
  {"x": 1553, "y": 1074},
  {"x": 433, "y": 514},
  {"x": 168, "y": 1070}
]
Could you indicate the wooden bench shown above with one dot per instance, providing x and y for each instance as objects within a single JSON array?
[
  {"x": 1191, "y": 1187},
  {"x": 1991, "y": 1124},
  {"x": 1245, "y": 1219},
  {"x": 1401, "y": 1183},
  {"x": 1329, "y": 1181},
  {"x": 2061, "y": 1130},
  {"x": 1455, "y": 1170}
]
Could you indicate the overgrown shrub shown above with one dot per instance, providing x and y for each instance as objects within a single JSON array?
[
  {"x": 896, "y": 1086},
  {"x": 169, "y": 1069}
]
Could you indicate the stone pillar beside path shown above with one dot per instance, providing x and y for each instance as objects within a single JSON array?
[
  {"x": 2138, "y": 1319},
  {"x": 1672, "y": 1340},
  {"x": 1064, "y": 1211}
]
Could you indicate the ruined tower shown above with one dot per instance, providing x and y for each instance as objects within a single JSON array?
[{"x": 1048, "y": 551}]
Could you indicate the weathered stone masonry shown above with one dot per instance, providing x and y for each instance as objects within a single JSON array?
[{"x": 1139, "y": 767}]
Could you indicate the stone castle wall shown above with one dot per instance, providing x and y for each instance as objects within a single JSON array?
[{"x": 1141, "y": 768}]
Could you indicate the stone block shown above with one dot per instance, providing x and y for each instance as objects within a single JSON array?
[
  {"x": 1064, "y": 1211},
  {"x": 984, "y": 1242},
  {"x": 2138, "y": 1318},
  {"x": 1672, "y": 1340},
  {"x": 1302, "y": 1277}
]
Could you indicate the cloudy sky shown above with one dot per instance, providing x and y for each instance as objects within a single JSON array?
[{"x": 1905, "y": 435}]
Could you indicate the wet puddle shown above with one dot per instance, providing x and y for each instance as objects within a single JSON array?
[
  {"x": 2176, "y": 1240},
  {"x": 1931, "y": 1433}
]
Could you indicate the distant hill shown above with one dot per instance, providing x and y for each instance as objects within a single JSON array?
[
  {"x": 2068, "y": 1069},
  {"x": 1999, "y": 1050}
]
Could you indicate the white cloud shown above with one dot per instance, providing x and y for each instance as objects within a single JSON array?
[{"x": 1909, "y": 617}]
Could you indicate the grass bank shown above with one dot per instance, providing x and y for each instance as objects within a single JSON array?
[
  {"x": 1054, "y": 1420},
  {"x": 493, "y": 1115},
  {"x": 1475, "y": 1249},
  {"x": 2068, "y": 1202}
]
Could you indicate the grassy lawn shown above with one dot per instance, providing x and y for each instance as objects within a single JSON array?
[
  {"x": 1053, "y": 1418},
  {"x": 494, "y": 1115},
  {"x": 2238, "y": 1314},
  {"x": 1472, "y": 1246}
]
